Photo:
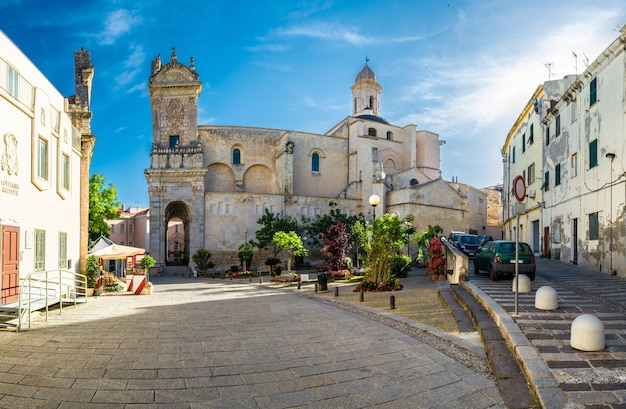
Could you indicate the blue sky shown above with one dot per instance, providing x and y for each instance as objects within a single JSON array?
[{"x": 461, "y": 68}]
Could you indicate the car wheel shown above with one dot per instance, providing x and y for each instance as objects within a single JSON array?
[
  {"x": 493, "y": 274},
  {"x": 476, "y": 269}
]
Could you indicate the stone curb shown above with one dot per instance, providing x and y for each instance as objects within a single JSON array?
[{"x": 536, "y": 370}]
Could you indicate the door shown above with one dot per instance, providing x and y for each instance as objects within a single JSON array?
[
  {"x": 546, "y": 241},
  {"x": 10, "y": 263},
  {"x": 536, "y": 247}
]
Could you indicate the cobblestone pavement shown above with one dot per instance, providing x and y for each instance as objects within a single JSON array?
[
  {"x": 588, "y": 379},
  {"x": 206, "y": 343}
]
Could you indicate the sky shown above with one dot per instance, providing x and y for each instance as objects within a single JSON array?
[{"x": 463, "y": 69}]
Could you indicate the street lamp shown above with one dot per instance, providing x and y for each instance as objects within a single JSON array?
[
  {"x": 245, "y": 243},
  {"x": 611, "y": 156},
  {"x": 408, "y": 238},
  {"x": 374, "y": 201}
]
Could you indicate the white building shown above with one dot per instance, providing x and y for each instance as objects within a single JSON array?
[
  {"x": 41, "y": 160},
  {"x": 569, "y": 146}
]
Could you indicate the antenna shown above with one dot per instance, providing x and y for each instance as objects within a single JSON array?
[
  {"x": 575, "y": 62},
  {"x": 586, "y": 60},
  {"x": 549, "y": 65}
]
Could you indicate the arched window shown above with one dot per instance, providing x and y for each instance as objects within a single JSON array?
[
  {"x": 371, "y": 103},
  {"x": 389, "y": 135},
  {"x": 236, "y": 156},
  {"x": 315, "y": 162},
  {"x": 371, "y": 132},
  {"x": 414, "y": 182}
]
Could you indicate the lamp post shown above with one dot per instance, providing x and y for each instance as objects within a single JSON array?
[
  {"x": 374, "y": 201},
  {"x": 408, "y": 238},
  {"x": 611, "y": 156},
  {"x": 245, "y": 242}
]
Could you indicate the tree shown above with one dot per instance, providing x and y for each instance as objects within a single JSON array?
[
  {"x": 336, "y": 245},
  {"x": 103, "y": 206},
  {"x": 291, "y": 243},
  {"x": 386, "y": 236},
  {"x": 245, "y": 255},
  {"x": 321, "y": 224},
  {"x": 424, "y": 239},
  {"x": 273, "y": 223}
]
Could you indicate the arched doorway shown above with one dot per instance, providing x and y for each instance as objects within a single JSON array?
[{"x": 176, "y": 234}]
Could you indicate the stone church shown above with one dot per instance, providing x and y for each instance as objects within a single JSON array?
[{"x": 219, "y": 180}]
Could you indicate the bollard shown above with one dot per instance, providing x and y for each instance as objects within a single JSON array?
[
  {"x": 250, "y": 277},
  {"x": 298, "y": 285},
  {"x": 231, "y": 276},
  {"x": 261, "y": 280},
  {"x": 362, "y": 296},
  {"x": 392, "y": 302},
  {"x": 315, "y": 287},
  {"x": 336, "y": 291}
]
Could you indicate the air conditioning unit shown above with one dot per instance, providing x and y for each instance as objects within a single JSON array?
[{"x": 532, "y": 193}]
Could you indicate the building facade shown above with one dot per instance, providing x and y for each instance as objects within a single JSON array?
[
  {"x": 569, "y": 146},
  {"x": 132, "y": 227},
  {"x": 45, "y": 149},
  {"x": 217, "y": 181}
]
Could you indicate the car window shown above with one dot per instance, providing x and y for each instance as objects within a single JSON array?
[
  {"x": 524, "y": 248},
  {"x": 507, "y": 248},
  {"x": 470, "y": 240}
]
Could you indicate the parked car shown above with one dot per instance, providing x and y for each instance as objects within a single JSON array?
[
  {"x": 485, "y": 239},
  {"x": 498, "y": 258},
  {"x": 468, "y": 244},
  {"x": 454, "y": 237}
]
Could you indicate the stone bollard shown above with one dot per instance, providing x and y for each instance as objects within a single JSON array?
[
  {"x": 392, "y": 302},
  {"x": 362, "y": 296},
  {"x": 299, "y": 286},
  {"x": 315, "y": 287},
  {"x": 524, "y": 283},
  {"x": 587, "y": 333},
  {"x": 336, "y": 291},
  {"x": 546, "y": 298}
]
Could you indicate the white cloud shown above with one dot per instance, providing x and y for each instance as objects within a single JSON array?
[{"x": 116, "y": 24}]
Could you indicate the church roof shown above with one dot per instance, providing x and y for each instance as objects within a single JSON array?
[
  {"x": 373, "y": 118},
  {"x": 366, "y": 74}
]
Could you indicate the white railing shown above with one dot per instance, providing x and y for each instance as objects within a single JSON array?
[{"x": 42, "y": 289}]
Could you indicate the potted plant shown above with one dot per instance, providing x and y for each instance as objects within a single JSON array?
[
  {"x": 91, "y": 273},
  {"x": 202, "y": 260},
  {"x": 146, "y": 263}
]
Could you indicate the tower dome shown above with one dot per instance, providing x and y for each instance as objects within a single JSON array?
[{"x": 366, "y": 93}]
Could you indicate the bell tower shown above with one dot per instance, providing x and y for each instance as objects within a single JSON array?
[
  {"x": 366, "y": 93},
  {"x": 176, "y": 177}
]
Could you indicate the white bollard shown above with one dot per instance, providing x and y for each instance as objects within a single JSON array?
[
  {"x": 524, "y": 283},
  {"x": 587, "y": 333},
  {"x": 546, "y": 298}
]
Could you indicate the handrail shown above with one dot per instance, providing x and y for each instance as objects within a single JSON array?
[{"x": 56, "y": 286}]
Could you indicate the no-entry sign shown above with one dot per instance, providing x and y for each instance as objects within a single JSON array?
[{"x": 519, "y": 188}]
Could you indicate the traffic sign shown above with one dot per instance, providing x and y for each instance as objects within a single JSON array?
[{"x": 519, "y": 188}]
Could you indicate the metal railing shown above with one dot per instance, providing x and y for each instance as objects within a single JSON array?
[{"x": 42, "y": 289}]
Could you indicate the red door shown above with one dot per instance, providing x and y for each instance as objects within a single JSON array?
[{"x": 10, "y": 263}]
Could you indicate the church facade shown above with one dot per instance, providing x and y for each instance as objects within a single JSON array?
[{"x": 219, "y": 180}]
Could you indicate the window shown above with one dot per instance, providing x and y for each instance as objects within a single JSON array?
[
  {"x": 532, "y": 132},
  {"x": 547, "y": 135},
  {"x": 557, "y": 131},
  {"x": 371, "y": 103},
  {"x": 513, "y": 161},
  {"x": 315, "y": 162},
  {"x": 130, "y": 243},
  {"x": 574, "y": 164},
  {"x": 389, "y": 135},
  {"x": 594, "y": 228},
  {"x": 13, "y": 82},
  {"x": 371, "y": 131},
  {"x": 531, "y": 174},
  {"x": 62, "y": 250},
  {"x": 236, "y": 156},
  {"x": 523, "y": 143},
  {"x": 593, "y": 153},
  {"x": 42, "y": 158},
  {"x": 557, "y": 174},
  {"x": 174, "y": 141},
  {"x": 176, "y": 228},
  {"x": 131, "y": 228},
  {"x": 546, "y": 181},
  {"x": 122, "y": 228},
  {"x": 65, "y": 172},
  {"x": 40, "y": 250},
  {"x": 374, "y": 154},
  {"x": 112, "y": 228},
  {"x": 593, "y": 91}
]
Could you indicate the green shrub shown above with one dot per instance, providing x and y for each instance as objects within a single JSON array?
[{"x": 400, "y": 265}]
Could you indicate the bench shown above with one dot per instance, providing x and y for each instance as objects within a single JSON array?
[{"x": 263, "y": 269}]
